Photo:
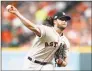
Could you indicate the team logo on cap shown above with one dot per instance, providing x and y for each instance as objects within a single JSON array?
[
  {"x": 63, "y": 13},
  {"x": 55, "y": 17}
]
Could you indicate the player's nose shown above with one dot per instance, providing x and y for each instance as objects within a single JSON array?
[{"x": 64, "y": 21}]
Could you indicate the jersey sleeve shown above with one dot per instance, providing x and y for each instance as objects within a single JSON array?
[
  {"x": 42, "y": 30},
  {"x": 66, "y": 47}
]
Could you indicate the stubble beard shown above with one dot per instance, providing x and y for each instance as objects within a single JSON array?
[{"x": 62, "y": 28}]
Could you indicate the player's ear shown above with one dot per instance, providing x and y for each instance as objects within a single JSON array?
[{"x": 54, "y": 21}]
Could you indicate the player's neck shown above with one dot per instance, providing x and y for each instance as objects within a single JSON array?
[{"x": 59, "y": 31}]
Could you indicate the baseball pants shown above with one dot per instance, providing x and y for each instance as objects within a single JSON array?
[{"x": 30, "y": 65}]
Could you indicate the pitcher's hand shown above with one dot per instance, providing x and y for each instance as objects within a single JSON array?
[
  {"x": 59, "y": 61},
  {"x": 11, "y": 9}
]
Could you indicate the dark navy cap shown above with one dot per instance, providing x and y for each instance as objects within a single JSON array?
[{"x": 62, "y": 16}]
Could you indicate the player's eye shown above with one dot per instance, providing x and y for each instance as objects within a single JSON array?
[{"x": 63, "y": 19}]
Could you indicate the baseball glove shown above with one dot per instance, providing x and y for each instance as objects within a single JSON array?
[{"x": 60, "y": 54}]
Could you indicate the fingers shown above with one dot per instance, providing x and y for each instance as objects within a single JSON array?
[
  {"x": 12, "y": 9},
  {"x": 59, "y": 61},
  {"x": 9, "y": 8}
]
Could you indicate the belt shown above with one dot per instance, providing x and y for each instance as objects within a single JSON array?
[{"x": 39, "y": 62}]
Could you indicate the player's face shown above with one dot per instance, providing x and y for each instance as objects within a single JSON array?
[{"x": 62, "y": 24}]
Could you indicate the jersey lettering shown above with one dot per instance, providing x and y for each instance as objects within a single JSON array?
[
  {"x": 51, "y": 43},
  {"x": 54, "y": 44}
]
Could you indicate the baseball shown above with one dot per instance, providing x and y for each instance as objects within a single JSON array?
[{"x": 8, "y": 7}]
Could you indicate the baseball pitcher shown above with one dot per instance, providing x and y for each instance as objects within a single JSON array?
[{"x": 48, "y": 41}]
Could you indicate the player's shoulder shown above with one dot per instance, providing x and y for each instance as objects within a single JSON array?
[{"x": 65, "y": 38}]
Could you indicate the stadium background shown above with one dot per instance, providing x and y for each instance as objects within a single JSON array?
[{"x": 16, "y": 38}]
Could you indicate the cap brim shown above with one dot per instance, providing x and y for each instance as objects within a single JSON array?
[{"x": 66, "y": 18}]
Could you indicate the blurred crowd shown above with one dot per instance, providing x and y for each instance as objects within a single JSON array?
[{"x": 15, "y": 34}]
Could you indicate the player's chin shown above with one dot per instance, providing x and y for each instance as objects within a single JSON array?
[{"x": 63, "y": 27}]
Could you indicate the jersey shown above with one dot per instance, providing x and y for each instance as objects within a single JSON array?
[{"x": 44, "y": 47}]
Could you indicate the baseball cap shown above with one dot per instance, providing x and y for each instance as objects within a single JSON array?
[{"x": 61, "y": 16}]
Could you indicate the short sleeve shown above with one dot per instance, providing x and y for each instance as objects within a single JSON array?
[
  {"x": 66, "y": 47},
  {"x": 42, "y": 30}
]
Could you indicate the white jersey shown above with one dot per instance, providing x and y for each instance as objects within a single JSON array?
[{"x": 44, "y": 47}]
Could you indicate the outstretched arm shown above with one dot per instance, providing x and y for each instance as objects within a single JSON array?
[{"x": 25, "y": 21}]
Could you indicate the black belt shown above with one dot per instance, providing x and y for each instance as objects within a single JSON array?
[{"x": 39, "y": 62}]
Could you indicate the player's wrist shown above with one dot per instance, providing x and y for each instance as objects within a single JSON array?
[{"x": 17, "y": 13}]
